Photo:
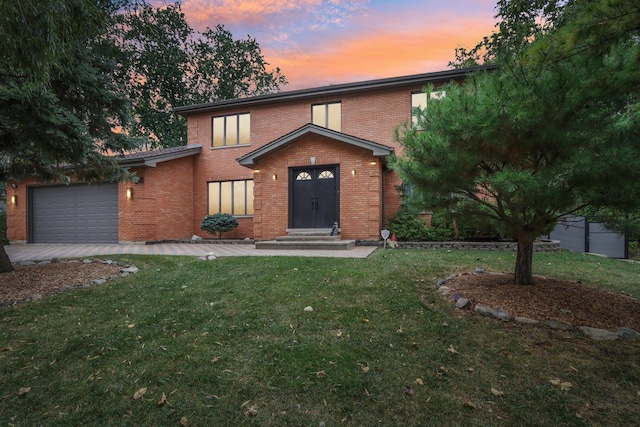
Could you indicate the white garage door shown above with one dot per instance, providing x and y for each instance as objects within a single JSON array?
[{"x": 78, "y": 213}]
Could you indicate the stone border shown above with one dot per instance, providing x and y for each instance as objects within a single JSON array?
[
  {"x": 503, "y": 315},
  {"x": 538, "y": 245},
  {"x": 203, "y": 241}
]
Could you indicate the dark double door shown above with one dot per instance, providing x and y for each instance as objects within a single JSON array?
[{"x": 313, "y": 197}]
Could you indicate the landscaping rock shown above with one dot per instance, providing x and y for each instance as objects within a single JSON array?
[
  {"x": 444, "y": 290},
  {"x": 463, "y": 303},
  {"x": 130, "y": 269},
  {"x": 479, "y": 270},
  {"x": 456, "y": 296},
  {"x": 628, "y": 333},
  {"x": 440, "y": 283},
  {"x": 526, "y": 321},
  {"x": 556, "y": 324},
  {"x": 36, "y": 297},
  {"x": 308, "y": 308},
  {"x": 487, "y": 311},
  {"x": 98, "y": 282},
  {"x": 598, "y": 334},
  {"x": 27, "y": 263},
  {"x": 196, "y": 238}
]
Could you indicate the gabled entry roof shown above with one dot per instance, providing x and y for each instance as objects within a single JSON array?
[
  {"x": 152, "y": 158},
  {"x": 249, "y": 160}
]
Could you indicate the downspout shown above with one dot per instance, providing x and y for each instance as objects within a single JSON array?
[{"x": 382, "y": 194}]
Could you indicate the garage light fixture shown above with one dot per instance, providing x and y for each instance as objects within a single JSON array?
[
  {"x": 129, "y": 193},
  {"x": 14, "y": 200}
]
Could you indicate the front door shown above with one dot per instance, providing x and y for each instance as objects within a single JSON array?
[{"x": 313, "y": 197}]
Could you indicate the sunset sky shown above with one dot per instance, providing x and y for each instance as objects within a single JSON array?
[{"x": 322, "y": 42}]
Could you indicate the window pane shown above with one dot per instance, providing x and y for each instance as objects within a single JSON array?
[
  {"x": 335, "y": 119},
  {"x": 239, "y": 195},
  {"x": 225, "y": 202},
  {"x": 303, "y": 176},
  {"x": 419, "y": 100},
  {"x": 438, "y": 95},
  {"x": 245, "y": 129},
  {"x": 214, "y": 198},
  {"x": 232, "y": 131},
  {"x": 325, "y": 175},
  {"x": 318, "y": 115},
  {"x": 250, "y": 197},
  {"x": 218, "y": 131}
]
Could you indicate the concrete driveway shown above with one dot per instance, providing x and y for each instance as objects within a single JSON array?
[{"x": 42, "y": 252}]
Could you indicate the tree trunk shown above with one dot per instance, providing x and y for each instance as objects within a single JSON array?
[
  {"x": 5, "y": 262},
  {"x": 524, "y": 260}
]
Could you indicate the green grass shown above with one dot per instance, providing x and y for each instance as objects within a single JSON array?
[{"x": 228, "y": 343}]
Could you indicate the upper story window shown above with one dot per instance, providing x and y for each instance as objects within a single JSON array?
[
  {"x": 419, "y": 101},
  {"x": 234, "y": 129},
  {"x": 327, "y": 115}
]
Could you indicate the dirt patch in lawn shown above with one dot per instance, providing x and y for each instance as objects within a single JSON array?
[
  {"x": 551, "y": 299},
  {"x": 35, "y": 281}
]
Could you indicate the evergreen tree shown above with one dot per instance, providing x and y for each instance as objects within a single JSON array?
[
  {"x": 59, "y": 103},
  {"x": 545, "y": 135}
]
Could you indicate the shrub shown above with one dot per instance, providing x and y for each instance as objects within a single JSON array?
[
  {"x": 409, "y": 227},
  {"x": 445, "y": 226},
  {"x": 218, "y": 223}
]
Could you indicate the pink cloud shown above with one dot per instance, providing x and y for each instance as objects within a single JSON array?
[
  {"x": 203, "y": 13},
  {"x": 385, "y": 53}
]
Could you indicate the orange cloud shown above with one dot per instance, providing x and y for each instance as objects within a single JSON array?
[
  {"x": 378, "y": 54},
  {"x": 209, "y": 13}
]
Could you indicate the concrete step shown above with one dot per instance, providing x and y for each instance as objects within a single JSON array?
[
  {"x": 309, "y": 231},
  {"x": 306, "y": 238},
  {"x": 306, "y": 244}
]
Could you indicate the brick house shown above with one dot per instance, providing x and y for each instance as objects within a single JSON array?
[{"x": 298, "y": 159}]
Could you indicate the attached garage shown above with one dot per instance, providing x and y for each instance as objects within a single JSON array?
[{"x": 77, "y": 213}]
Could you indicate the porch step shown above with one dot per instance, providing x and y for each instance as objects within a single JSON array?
[
  {"x": 309, "y": 231},
  {"x": 305, "y": 244},
  {"x": 307, "y": 238}
]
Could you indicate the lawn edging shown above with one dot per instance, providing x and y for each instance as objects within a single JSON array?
[
  {"x": 542, "y": 245},
  {"x": 500, "y": 314}
]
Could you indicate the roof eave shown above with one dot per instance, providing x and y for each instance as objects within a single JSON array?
[
  {"x": 153, "y": 160},
  {"x": 414, "y": 79}
]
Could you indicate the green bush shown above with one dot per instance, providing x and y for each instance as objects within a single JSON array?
[
  {"x": 409, "y": 227},
  {"x": 218, "y": 223},
  {"x": 477, "y": 229}
]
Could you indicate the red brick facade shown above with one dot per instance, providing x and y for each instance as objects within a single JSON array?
[{"x": 172, "y": 198}]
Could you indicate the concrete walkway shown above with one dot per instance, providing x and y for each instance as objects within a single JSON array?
[{"x": 41, "y": 252}]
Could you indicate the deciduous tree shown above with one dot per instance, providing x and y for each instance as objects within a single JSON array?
[{"x": 166, "y": 64}]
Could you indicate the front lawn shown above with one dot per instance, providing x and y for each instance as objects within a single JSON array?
[{"x": 229, "y": 342}]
